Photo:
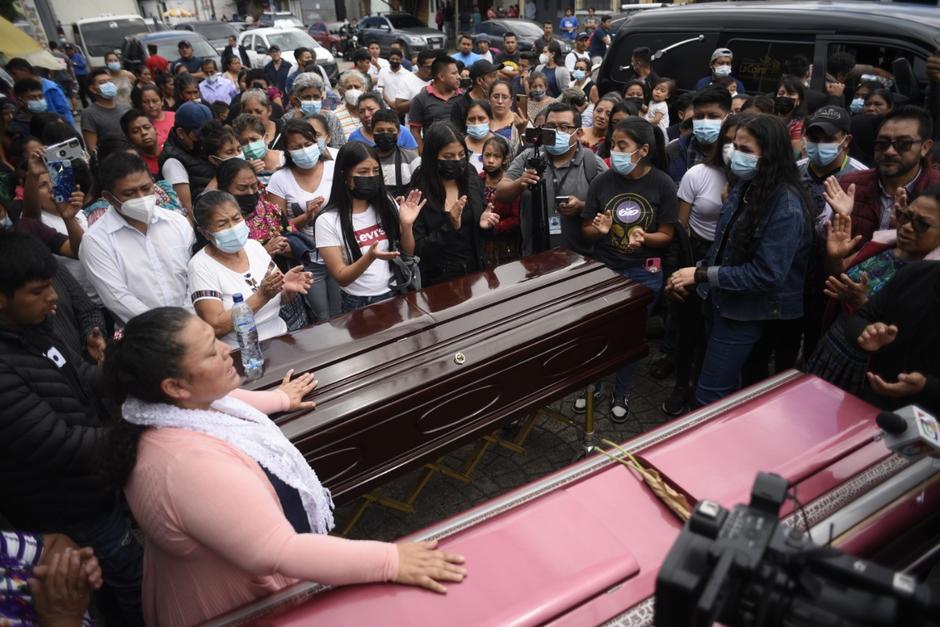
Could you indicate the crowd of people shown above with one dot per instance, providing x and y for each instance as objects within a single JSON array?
[{"x": 770, "y": 233}]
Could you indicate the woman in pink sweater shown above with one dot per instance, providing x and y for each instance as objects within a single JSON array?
[{"x": 230, "y": 508}]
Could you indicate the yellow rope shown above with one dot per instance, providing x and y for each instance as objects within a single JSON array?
[{"x": 676, "y": 502}]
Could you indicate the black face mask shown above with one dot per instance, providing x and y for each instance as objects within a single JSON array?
[
  {"x": 385, "y": 141},
  {"x": 450, "y": 169},
  {"x": 394, "y": 65},
  {"x": 366, "y": 187},
  {"x": 247, "y": 203},
  {"x": 784, "y": 105},
  {"x": 465, "y": 83}
]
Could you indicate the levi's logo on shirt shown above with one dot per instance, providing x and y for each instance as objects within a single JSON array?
[{"x": 370, "y": 235}]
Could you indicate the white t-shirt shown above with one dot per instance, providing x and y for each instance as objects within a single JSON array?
[
  {"x": 659, "y": 107},
  {"x": 368, "y": 230},
  {"x": 174, "y": 173},
  {"x": 701, "y": 187},
  {"x": 374, "y": 71},
  {"x": 210, "y": 280},
  {"x": 401, "y": 84},
  {"x": 74, "y": 266},
  {"x": 284, "y": 184}
]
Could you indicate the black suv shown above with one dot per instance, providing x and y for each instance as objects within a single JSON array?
[
  {"x": 895, "y": 37},
  {"x": 404, "y": 29}
]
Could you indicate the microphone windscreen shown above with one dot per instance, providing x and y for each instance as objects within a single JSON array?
[{"x": 891, "y": 423}]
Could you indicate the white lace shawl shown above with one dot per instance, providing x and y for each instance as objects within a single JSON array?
[{"x": 254, "y": 434}]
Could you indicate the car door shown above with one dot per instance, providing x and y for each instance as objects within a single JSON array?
[
  {"x": 386, "y": 35},
  {"x": 261, "y": 50},
  {"x": 369, "y": 30}
]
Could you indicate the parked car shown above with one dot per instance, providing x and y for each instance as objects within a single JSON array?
[
  {"x": 526, "y": 31},
  {"x": 404, "y": 29},
  {"x": 895, "y": 37},
  {"x": 138, "y": 48},
  {"x": 216, "y": 33},
  {"x": 326, "y": 37},
  {"x": 101, "y": 35},
  {"x": 258, "y": 40}
]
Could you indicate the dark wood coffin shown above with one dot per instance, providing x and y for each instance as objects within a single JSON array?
[{"x": 403, "y": 381}]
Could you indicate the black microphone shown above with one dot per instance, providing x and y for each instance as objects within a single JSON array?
[{"x": 891, "y": 423}]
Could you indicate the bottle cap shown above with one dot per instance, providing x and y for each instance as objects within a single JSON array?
[{"x": 237, "y": 298}]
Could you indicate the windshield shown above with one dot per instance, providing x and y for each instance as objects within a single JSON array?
[
  {"x": 168, "y": 48},
  {"x": 291, "y": 40},
  {"x": 215, "y": 31},
  {"x": 406, "y": 21},
  {"x": 105, "y": 36},
  {"x": 525, "y": 29}
]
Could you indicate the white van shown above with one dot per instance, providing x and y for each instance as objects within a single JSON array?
[{"x": 99, "y": 35}]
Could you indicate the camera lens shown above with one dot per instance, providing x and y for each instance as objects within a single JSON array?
[{"x": 62, "y": 153}]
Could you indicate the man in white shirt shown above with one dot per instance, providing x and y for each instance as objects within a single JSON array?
[
  {"x": 579, "y": 52},
  {"x": 376, "y": 62},
  {"x": 398, "y": 85},
  {"x": 136, "y": 254}
]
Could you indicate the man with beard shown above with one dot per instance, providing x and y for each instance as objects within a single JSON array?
[{"x": 901, "y": 147}]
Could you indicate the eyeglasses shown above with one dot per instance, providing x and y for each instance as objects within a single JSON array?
[
  {"x": 564, "y": 128},
  {"x": 900, "y": 145},
  {"x": 917, "y": 222}
]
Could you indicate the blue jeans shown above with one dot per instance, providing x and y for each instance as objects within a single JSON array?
[
  {"x": 324, "y": 297},
  {"x": 654, "y": 281},
  {"x": 352, "y": 302},
  {"x": 120, "y": 554},
  {"x": 729, "y": 344}
]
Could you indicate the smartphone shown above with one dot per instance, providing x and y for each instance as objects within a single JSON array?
[
  {"x": 522, "y": 102},
  {"x": 63, "y": 180},
  {"x": 65, "y": 151},
  {"x": 560, "y": 200}
]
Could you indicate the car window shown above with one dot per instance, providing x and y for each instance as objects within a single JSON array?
[
  {"x": 291, "y": 40},
  {"x": 758, "y": 62},
  {"x": 686, "y": 63},
  {"x": 214, "y": 31},
  {"x": 318, "y": 28},
  {"x": 169, "y": 49},
  {"x": 881, "y": 55},
  {"x": 405, "y": 21},
  {"x": 107, "y": 35},
  {"x": 370, "y": 22},
  {"x": 525, "y": 28},
  {"x": 485, "y": 28}
]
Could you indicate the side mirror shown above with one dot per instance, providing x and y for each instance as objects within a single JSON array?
[{"x": 904, "y": 79}]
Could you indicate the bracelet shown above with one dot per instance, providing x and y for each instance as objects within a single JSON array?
[{"x": 701, "y": 274}]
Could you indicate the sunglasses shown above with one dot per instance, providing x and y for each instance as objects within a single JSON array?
[
  {"x": 900, "y": 145},
  {"x": 917, "y": 222}
]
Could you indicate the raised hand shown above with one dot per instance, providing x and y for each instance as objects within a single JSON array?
[
  {"x": 908, "y": 384},
  {"x": 528, "y": 178},
  {"x": 296, "y": 281},
  {"x": 847, "y": 291},
  {"x": 455, "y": 211},
  {"x": 272, "y": 284},
  {"x": 839, "y": 240},
  {"x": 490, "y": 218},
  {"x": 877, "y": 335},
  {"x": 298, "y": 388},
  {"x": 420, "y": 564},
  {"x": 841, "y": 200},
  {"x": 409, "y": 207},
  {"x": 602, "y": 222},
  {"x": 70, "y": 208},
  {"x": 385, "y": 255},
  {"x": 900, "y": 202},
  {"x": 277, "y": 245}
]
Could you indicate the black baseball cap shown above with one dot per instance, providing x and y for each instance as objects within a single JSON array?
[
  {"x": 482, "y": 68},
  {"x": 582, "y": 35},
  {"x": 830, "y": 119},
  {"x": 184, "y": 44}
]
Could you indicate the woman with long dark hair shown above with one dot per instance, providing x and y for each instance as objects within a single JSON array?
[
  {"x": 755, "y": 269},
  {"x": 790, "y": 105},
  {"x": 230, "y": 509},
  {"x": 448, "y": 231},
  {"x": 363, "y": 229}
]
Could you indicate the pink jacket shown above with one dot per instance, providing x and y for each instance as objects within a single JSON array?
[{"x": 216, "y": 535}]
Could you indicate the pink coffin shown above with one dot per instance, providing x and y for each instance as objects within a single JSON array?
[{"x": 584, "y": 545}]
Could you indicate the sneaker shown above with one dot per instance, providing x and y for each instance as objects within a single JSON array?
[
  {"x": 580, "y": 403},
  {"x": 662, "y": 367},
  {"x": 619, "y": 408},
  {"x": 677, "y": 403}
]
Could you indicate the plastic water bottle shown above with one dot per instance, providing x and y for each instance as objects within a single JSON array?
[{"x": 247, "y": 333}]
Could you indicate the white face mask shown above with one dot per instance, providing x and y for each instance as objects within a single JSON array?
[
  {"x": 543, "y": 59},
  {"x": 140, "y": 209},
  {"x": 352, "y": 96}
]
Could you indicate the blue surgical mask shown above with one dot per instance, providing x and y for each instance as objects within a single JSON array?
[
  {"x": 536, "y": 94},
  {"x": 36, "y": 106},
  {"x": 856, "y": 105},
  {"x": 562, "y": 144},
  {"x": 306, "y": 158},
  {"x": 622, "y": 162},
  {"x": 722, "y": 70},
  {"x": 578, "y": 74},
  {"x": 6, "y": 224},
  {"x": 114, "y": 66},
  {"x": 478, "y": 131},
  {"x": 744, "y": 165},
  {"x": 310, "y": 107},
  {"x": 108, "y": 90},
  {"x": 822, "y": 155},
  {"x": 231, "y": 240},
  {"x": 706, "y": 131},
  {"x": 212, "y": 79}
]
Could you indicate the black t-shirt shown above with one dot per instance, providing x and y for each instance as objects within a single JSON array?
[
  {"x": 511, "y": 60},
  {"x": 645, "y": 203},
  {"x": 428, "y": 108}
]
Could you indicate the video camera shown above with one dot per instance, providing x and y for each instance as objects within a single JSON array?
[{"x": 742, "y": 568}]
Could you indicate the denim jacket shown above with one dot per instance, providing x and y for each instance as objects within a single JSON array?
[{"x": 770, "y": 285}]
